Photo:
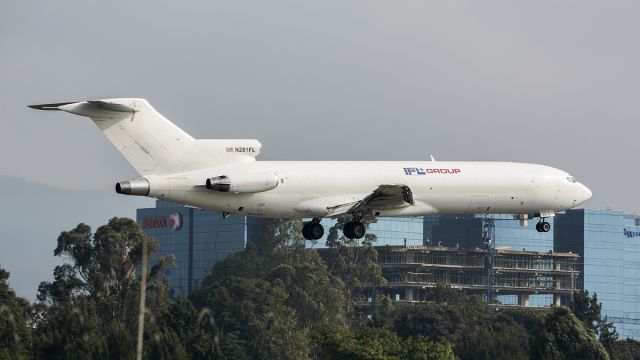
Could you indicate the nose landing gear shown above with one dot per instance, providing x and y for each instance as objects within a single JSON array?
[{"x": 543, "y": 226}]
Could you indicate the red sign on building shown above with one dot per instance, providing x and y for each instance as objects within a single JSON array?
[{"x": 173, "y": 221}]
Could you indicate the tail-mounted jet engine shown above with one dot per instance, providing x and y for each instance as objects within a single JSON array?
[
  {"x": 249, "y": 183},
  {"x": 138, "y": 186}
]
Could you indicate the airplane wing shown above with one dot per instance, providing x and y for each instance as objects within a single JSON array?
[{"x": 382, "y": 198}]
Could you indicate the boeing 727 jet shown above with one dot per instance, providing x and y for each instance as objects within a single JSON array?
[{"x": 224, "y": 175}]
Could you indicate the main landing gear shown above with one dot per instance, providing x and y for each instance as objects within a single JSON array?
[
  {"x": 313, "y": 230},
  {"x": 354, "y": 230},
  {"x": 543, "y": 226}
]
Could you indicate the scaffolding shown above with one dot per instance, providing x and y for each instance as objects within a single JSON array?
[
  {"x": 488, "y": 241},
  {"x": 411, "y": 271}
]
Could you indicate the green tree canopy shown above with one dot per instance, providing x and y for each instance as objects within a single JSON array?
[
  {"x": 561, "y": 335},
  {"x": 278, "y": 300},
  {"x": 90, "y": 308},
  {"x": 265, "y": 301},
  {"x": 586, "y": 308},
  {"x": 15, "y": 336}
]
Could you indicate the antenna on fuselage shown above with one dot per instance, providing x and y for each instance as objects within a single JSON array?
[{"x": 432, "y": 158}]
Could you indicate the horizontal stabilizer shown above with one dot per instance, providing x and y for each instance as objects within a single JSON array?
[
  {"x": 55, "y": 106},
  {"x": 91, "y": 108}
]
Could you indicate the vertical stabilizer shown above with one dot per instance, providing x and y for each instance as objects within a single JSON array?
[{"x": 151, "y": 143}]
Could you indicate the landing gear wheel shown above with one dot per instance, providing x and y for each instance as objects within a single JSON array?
[
  {"x": 312, "y": 231},
  {"x": 305, "y": 232},
  {"x": 354, "y": 230},
  {"x": 359, "y": 230},
  {"x": 317, "y": 231},
  {"x": 347, "y": 231},
  {"x": 543, "y": 226}
]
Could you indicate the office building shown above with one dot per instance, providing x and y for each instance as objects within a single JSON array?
[
  {"x": 197, "y": 238},
  {"x": 609, "y": 244}
]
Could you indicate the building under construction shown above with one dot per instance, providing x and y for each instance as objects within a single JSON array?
[{"x": 411, "y": 271}]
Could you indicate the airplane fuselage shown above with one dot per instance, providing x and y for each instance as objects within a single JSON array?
[{"x": 308, "y": 188}]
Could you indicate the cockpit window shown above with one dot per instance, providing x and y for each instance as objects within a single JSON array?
[{"x": 571, "y": 179}]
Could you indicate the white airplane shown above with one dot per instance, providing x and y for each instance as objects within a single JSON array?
[{"x": 224, "y": 175}]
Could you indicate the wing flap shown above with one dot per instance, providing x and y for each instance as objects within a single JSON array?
[{"x": 384, "y": 197}]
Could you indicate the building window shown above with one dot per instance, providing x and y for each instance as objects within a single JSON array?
[{"x": 637, "y": 222}]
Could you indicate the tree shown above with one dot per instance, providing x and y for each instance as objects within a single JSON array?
[
  {"x": 467, "y": 324},
  {"x": 586, "y": 309},
  {"x": 260, "y": 297},
  {"x": 443, "y": 320},
  {"x": 561, "y": 335},
  {"x": 420, "y": 348},
  {"x": 382, "y": 311},
  {"x": 333, "y": 343},
  {"x": 89, "y": 310},
  {"x": 254, "y": 313},
  {"x": 354, "y": 263},
  {"x": 607, "y": 334},
  {"x": 341, "y": 343},
  {"x": 196, "y": 331},
  {"x": 589, "y": 311},
  {"x": 375, "y": 343},
  {"x": 314, "y": 295},
  {"x": 627, "y": 349},
  {"x": 285, "y": 234},
  {"x": 15, "y": 337}
]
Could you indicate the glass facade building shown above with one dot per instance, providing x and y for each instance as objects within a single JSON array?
[
  {"x": 466, "y": 231},
  {"x": 609, "y": 245},
  {"x": 197, "y": 238}
]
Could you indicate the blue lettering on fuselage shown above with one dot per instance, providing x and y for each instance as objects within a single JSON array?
[
  {"x": 631, "y": 234},
  {"x": 417, "y": 171}
]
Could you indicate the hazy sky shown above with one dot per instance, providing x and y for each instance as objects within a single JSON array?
[{"x": 551, "y": 82}]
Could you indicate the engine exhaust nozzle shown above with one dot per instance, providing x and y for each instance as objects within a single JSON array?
[
  {"x": 138, "y": 187},
  {"x": 218, "y": 183}
]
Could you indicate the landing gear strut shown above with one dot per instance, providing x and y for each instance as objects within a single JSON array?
[
  {"x": 543, "y": 226},
  {"x": 313, "y": 230}
]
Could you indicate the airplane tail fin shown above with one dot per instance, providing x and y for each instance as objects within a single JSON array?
[{"x": 152, "y": 144}]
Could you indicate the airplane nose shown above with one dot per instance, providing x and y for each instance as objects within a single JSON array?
[{"x": 585, "y": 193}]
